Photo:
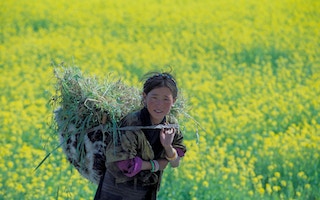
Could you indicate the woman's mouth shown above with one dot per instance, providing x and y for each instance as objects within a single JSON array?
[{"x": 158, "y": 111}]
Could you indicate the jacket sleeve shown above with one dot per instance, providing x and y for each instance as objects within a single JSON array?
[
  {"x": 178, "y": 144},
  {"x": 178, "y": 139},
  {"x": 130, "y": 167},
  {"x": 122, "y": 149}
]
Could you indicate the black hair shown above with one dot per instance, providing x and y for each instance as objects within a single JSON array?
[{"x": 157, "y": 80}]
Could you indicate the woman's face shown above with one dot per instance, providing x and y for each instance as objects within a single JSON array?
[{"x": 158, "y": 102}]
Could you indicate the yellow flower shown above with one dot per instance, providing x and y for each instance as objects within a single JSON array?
[
  {"x": 271, "y": 167},
  {"x": 20, "y": 188},
  {"x": 205, "y": 184},
  {"x": 225, "y": 177},
  {"x": 276, "y": 188},
  {"x": 10, "y": 164},
  {"x": 261, "y": 191},
  {"x": 283, "y": 183},
  {"x": 268, "y": 188},
  {"x": 302, "y": 175},
  {"x": 277, "y": 174}
]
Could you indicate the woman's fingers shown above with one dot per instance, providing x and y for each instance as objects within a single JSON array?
[
  {"x": 167, "y": 136},
  {"x": 169, "y": 131}
]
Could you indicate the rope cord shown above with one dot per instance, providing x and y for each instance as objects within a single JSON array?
[{"x": 132, "y": 128}]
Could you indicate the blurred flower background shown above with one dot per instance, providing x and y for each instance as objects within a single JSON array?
[{"x": 250, "y": 71}]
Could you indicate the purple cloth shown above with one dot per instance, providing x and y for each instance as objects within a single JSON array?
[
  {"x": 131, "y": 167},
  {"x": 180, "y": 152}
]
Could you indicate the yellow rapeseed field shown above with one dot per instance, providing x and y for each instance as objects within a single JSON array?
[{"x": 249, "y": 69}]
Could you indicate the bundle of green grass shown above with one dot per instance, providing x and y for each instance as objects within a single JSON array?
[{"x": 87, "y": 116}]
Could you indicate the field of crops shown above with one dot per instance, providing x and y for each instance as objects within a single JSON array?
[{"x": 249, "y": 69}]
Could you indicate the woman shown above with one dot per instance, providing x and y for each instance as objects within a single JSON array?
[{"x": 136, "y": 158}]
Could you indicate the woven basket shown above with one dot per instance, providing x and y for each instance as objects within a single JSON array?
[{"x": 84, "y": 103}]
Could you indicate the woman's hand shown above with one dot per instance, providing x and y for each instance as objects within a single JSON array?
[{"x": 166, "y": 137}]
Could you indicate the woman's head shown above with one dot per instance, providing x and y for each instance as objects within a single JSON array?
[
  {"x": 157, "y": 80},
  {"x": 159, "y": 94}
]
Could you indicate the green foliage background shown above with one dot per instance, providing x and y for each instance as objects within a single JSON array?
[{"x": 250, "y": 70}]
